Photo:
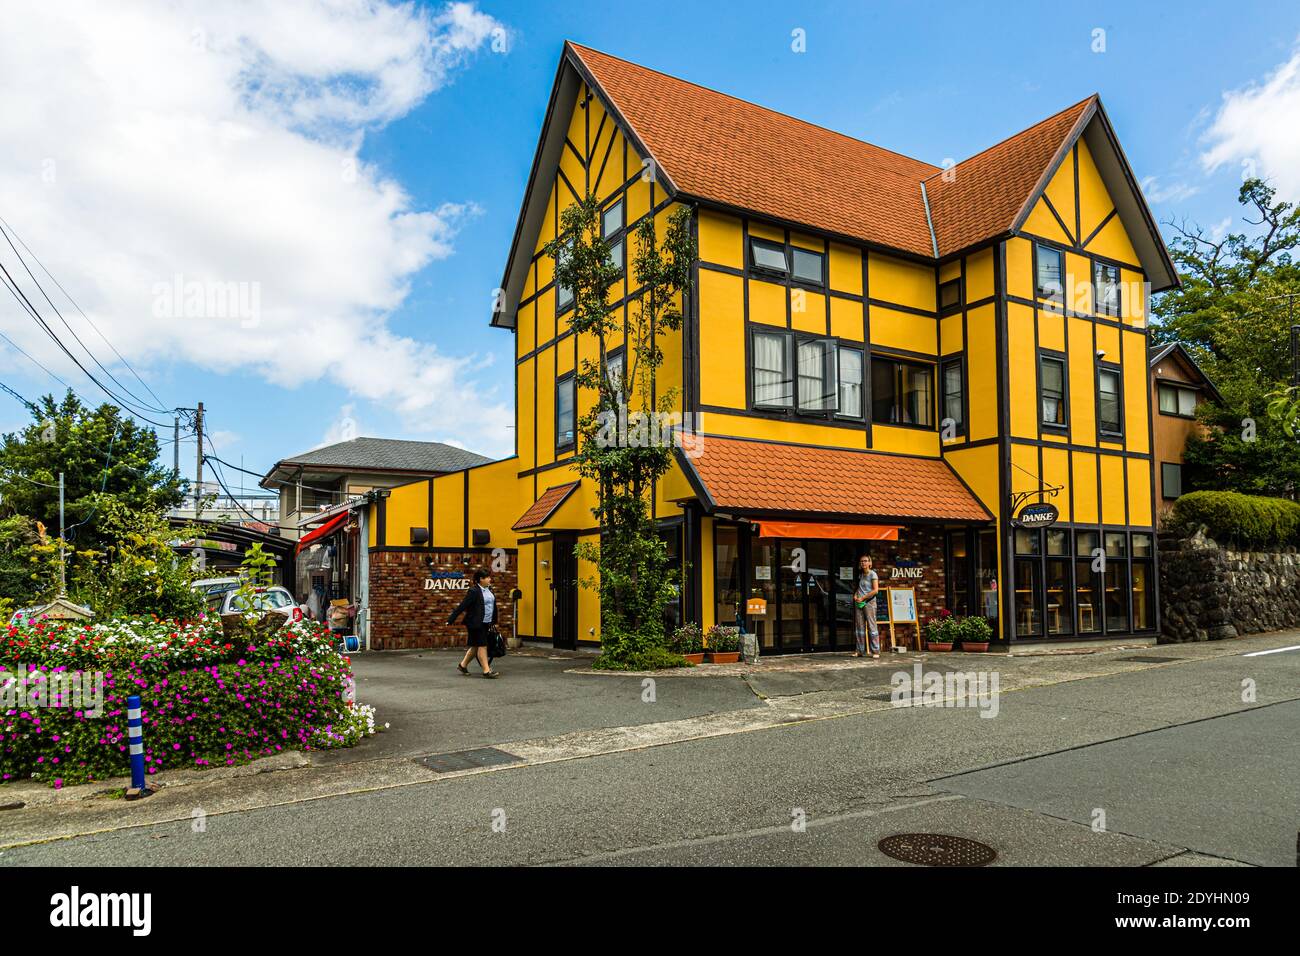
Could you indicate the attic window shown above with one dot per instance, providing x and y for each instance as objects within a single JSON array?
[
  {"x": 1105, "y": 288},
  {"x": 808, "y": 265},
  {"x": 950, "y": 296},
  {"x": 768, "y": 256},
  {"x": 1051, "y": 269}
]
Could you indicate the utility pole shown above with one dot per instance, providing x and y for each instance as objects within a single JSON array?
[
  {"x": 198, "y": 474},
  {"x": 176, "y": 445}
]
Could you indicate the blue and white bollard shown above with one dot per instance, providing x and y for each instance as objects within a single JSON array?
[{"x": 135, "y": 737}]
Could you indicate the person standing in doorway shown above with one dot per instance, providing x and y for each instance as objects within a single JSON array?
[
  {"x": 864, "y": 609},
  {"x": 480, "y": 609}
]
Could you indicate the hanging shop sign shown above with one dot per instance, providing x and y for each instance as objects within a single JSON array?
[
  {"x": 756, "y": 606},
  {"x": 446, "y": 581},
  {"x": 902, "y": 568},
  {"x": 1039, "y": 515}
]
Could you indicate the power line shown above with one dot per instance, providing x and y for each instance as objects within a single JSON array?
[
  {"x": 30, "y": 406},
  {"x": 279, "y": 481},
  {"x": 17, "y": 348},
  {"x": 21, "y": 296},
  {"x": 88, "y": 319},
  {"x": 141, "y": 402}
]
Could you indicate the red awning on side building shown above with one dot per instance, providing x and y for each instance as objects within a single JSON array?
[{"x": 324, "y": 531}]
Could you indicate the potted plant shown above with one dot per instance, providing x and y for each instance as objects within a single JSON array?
[
  {"x": 722, "y": 644},
  {"x": 940, "y": 631},
  {"x": 975, "y": 633},
  {"x": 688, "y": 641}
]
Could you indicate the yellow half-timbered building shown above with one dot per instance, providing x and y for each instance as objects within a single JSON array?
[{"x": 879, "y": 356}]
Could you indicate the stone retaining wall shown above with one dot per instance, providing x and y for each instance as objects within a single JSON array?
[{"x": 1209, "y": 592}]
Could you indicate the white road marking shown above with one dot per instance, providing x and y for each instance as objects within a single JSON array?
[{"x": 1276, "y": 650}]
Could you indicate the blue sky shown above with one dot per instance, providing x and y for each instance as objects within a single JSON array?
[{"x": 934, "y": 81}]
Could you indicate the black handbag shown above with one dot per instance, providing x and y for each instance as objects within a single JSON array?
[{"x": 496, "y": 643}]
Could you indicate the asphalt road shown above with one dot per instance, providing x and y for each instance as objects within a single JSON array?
[{"x": 1183, "y": 768}]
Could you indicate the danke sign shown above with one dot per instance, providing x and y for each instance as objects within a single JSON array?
[{"x": 446, "y": 581}]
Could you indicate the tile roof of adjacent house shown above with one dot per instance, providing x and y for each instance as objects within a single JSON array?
[
  {"x": 389, "y": 454},
  {"x": 741, "y": 475},
  {"x": 540, "y": 511}
]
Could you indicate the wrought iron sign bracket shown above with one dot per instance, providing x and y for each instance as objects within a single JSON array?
[{"x": 1020, "y": 497}]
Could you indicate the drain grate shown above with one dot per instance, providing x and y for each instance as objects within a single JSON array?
[
  {"x": 937, "y": 849},
  {"x": 1147, "y": 659},
  {"x": 468, "y": 760}
]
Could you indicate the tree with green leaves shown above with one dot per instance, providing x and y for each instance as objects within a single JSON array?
[
  {"x": 625, "y": 435},
  {"x": 1230, "y": 314},
  {"x": 99, "y": 451}
]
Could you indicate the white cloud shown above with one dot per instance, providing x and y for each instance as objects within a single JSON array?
[
  {"x": 1258, "y": 129},
  {"x": 190, "y": 173},
  {"x": 1156, "y": 191}
]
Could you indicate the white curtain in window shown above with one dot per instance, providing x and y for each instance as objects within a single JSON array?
[
  {"x": 812, "y": 376},
  {"x": 771, "y": 384},
  {"x": 850, "y": 403}
]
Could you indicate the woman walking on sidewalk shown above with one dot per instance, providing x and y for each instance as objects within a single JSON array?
[
  {"x": 480, "y": 609},
  {"x": 864, "y": 609}
]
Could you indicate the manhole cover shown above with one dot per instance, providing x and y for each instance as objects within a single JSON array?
[
  {"x": 468, "y": 760},
  {"x": 1146, "y": 659},
  {"x": 937, "y": 849}
]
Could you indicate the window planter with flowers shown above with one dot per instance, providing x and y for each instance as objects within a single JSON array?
[{"x": 722, "y": 644}]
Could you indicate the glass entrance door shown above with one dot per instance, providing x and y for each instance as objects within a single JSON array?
[{"x": 806, "y": 589}]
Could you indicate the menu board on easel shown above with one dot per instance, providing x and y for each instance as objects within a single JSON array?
[{"x": 896, "y": 607}]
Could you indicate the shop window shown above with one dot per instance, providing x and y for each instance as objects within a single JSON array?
[
  {"x": 809, "y": 266},
  {"x": 1177, "y": 401},
  {"x": 1144, "y": 583},
  {"x": 954, "y": 397},
  {"x": 565, "y": 433},
  {"x": 851, "y": 368},
  {"x": 1051, "y": 271},
  {"x": 1029, "y": 605},
  {"x": 1110, "y": 389},
  {"x": 817, "y": 375},
  {"x": 950, "y": 296},
  {"x": 1087, "y": 583},
  {"x": 902, "y": 393},
  {"x": 1060, "y": 596},
  {"x": 959, "y": 573},
  {"x": 768, "y": 256},
  {"x": 726, "y": 570},
  {"x": 1171, "y": 479},
  {"x": 671, "y": 536},
  {"x": 1028, "y": 541},
  {"x": 773, "y": 385},
  {"x": 986, "y": 570},
  {"x": 1051, "y": 390},
  {"x": 1116, "y": 596},
  {"x": 1105, "y": 288}
]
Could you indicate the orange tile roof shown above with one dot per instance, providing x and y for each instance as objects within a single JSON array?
[
  {"x": 982, "y": 196},
  {"x": 724, "y": 149},
  {"x": 769, "y": 477},
  {"x": 727, "y": 151},
  {"x": 541, "y": 510}
]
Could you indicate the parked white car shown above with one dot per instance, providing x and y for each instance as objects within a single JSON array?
[{"x": 223, "y": 597}]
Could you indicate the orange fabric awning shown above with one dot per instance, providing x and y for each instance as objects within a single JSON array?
[
  {"x": 815, "y": 529},
  {"x": 328, "y": 528}
]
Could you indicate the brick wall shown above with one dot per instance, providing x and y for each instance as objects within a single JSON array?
[
  {"x": 931, "y": 587},
  {"x": 404, "y": 613}
]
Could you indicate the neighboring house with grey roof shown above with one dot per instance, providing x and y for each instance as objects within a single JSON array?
[{"x": 328, "y": 476}]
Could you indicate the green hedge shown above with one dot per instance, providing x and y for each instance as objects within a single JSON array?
[{"x": 1245, "y": 519}]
